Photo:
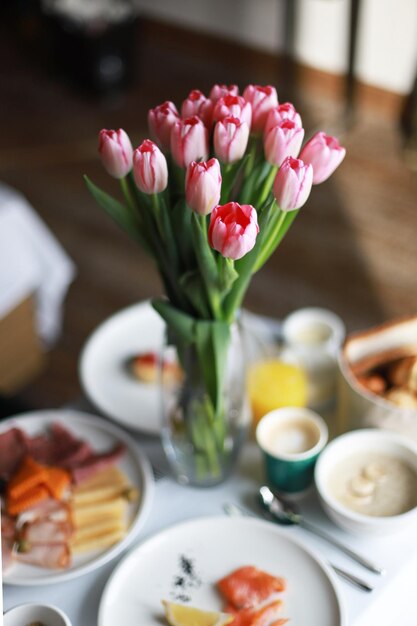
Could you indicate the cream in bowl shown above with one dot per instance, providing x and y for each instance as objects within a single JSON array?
[{"x": 367, "y": 481}]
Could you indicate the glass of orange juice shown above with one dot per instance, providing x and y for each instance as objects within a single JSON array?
[{"x": 274, "y": 383}]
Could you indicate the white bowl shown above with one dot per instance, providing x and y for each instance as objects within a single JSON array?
[
  {"x": 362, "y": 441},
  {"x": 24, "y": 614},
  {"x": 361, "y": 408}
]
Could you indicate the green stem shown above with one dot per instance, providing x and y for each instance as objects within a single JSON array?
[
  {"x": 285, "y": 219},
  {"x": 267, "y": 186},
  {"x": 124, "y": 183},
  {"x": 213, "y": 295}
]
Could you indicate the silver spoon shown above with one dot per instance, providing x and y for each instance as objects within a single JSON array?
[
  {"x": 232, "y": 509},
  {"x": 285, "y": 512}
]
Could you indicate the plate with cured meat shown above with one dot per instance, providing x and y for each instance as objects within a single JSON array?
[
  {"x": 75, "y": 491},
  {"x": 218, "y": 570}
]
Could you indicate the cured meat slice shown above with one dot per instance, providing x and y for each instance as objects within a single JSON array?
[
  {"x": 248, "y": 586},
  {"x": 50, "y": 555},
  {"x": 46, "y": 531},
  {"x": 13, "y": 447},
  {"x": 97, "y": 462},
  {"x": 48, "y": 509}
]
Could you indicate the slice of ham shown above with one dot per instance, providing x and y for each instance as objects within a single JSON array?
[
  {"x": 46, "y": 531},
  {"x": 49, "y": 509},
  {"x": 50, "y": 555},
  {"x": 13, "y": 447},
  {"x": 97, "y": 462}
]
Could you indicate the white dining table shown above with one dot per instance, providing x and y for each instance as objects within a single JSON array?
[{"x": 391, "y": 603}]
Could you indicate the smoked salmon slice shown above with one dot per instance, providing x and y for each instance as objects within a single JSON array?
[
  {"x": 259, "y": 616},
  {"x": 248, "y": 586}
]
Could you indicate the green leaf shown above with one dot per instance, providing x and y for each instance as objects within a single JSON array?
[
  {"x": 212, "y": 339},
  {"x": 116, "y": 210},
  {"x": 192, "y": 285},
  {"x": 180, "y": 216},
  {"x": 181, "y": 323}
]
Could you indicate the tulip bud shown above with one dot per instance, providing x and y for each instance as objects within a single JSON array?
[
  {"x": 116, "y": 152},
  {"x": 230, "y": 139},
  {"x": 203, "y": 183},
  {"x": 324, "y": 153},
  {"x": 150, "y": 168},
  {"x": 282, "y": 112},
  {"x": 262, "y": 99},
  {"x": 235, "y": 106},
  {"x": 160, "y": 122},
  {"x": 189, "y": 141},
  {"x": 282, "y": 141},
  {"x": 220, "y": 91},
  {"x": 292, "y": 184},
  {"x": 198, "y": 104},
  {"x": 233, "y": 229}
]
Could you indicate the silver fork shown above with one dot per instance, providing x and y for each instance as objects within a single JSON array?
[{"x": 233, "y": 509}]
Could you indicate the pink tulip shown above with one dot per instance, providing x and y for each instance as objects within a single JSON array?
[
  {"x": 283, "y": 140},
  {"x": 233, "y": 229},
  {"x": 230, "y": 139},
  {"x": 160, "y": 121},
  {"x": 235, "y": 106},
  {"x": 116, "y": 152},
  {"x": 203, "y": 183},
  {"x": 284, "y": 111},
  {"x": 220, "y": 91},
  {"x": 292, "y": 184},
  {"x": 198, "y": 104},
  {"x": 150, "y": 168},
  {"x": 324, "y": 153},
  {"x": 262, "y": 99},
  {"x": 189, "y": 141}
]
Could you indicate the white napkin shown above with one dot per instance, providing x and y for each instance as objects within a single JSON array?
[{"x": 31, "y": 262}]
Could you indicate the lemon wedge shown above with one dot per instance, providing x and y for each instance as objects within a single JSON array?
[
  {"x": 182, "y": 615},
  {"x": 274, "y": 384}
]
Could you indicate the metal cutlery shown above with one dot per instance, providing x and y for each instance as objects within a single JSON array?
[
  {"x": 285, "y": 512},
  {"x": 232, "y": 509}
]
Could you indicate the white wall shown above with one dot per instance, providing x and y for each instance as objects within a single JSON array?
[{"x": 387, "y": 38}]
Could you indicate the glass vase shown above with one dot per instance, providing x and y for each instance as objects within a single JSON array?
[{"x": 203, "y": 431}]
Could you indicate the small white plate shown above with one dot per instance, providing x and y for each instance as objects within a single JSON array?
[
  {"x": 214, "y": 547},
  {"x": 104, "y": 372},
  {"x": 105, "y": 376},
  {"x": 102, "y": 436}
]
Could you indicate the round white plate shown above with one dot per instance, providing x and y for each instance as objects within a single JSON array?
[
  {"x": 102, "y": 436},
  {"x": 215, "y": 547},
  {"x": 104, "y": 373},
  {"x": 105, "y": 376}
]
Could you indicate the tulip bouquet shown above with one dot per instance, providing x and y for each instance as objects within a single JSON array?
[{"x": 210, "y": 198}]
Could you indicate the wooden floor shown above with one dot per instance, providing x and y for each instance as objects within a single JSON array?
[{"x": 352, "y": 249}]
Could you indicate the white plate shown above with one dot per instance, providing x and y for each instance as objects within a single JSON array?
[
  {"x": 102, "y": 436},
  {"x": 105, "y": 376},
  {"x": 216, "y": 546},
  {"x": 134, "y": 330}
]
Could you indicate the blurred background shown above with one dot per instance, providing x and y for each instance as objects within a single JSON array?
[{"x": 72, "y": 67}]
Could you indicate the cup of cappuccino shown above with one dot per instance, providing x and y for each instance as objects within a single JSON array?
[{"x": 291, "y": 440}]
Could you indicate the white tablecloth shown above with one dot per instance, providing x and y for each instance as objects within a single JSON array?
[
  {"x": 31, "y": 262},
  {"x": 392, "y": 603}
]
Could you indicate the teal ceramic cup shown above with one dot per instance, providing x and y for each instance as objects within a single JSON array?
[{"x": 291, "y": 440}]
